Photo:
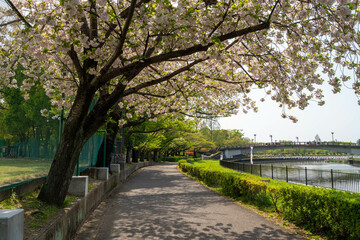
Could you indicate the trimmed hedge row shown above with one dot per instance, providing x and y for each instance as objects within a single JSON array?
[{"x": 330, "y": 212}]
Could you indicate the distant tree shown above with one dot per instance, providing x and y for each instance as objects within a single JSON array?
[
  {"x": 210, "y": 125},
  {"x": 235, "y": 137},
  {"x": 24, "y": 116},
  {"x": 161, "y": 136},
  {"x": 225, "y": 137},
  {"x": 197, "y": 141}
]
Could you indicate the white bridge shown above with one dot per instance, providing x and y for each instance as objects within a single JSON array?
[{"x": 349, "y": 148}]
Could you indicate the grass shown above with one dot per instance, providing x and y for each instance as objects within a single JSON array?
[
  {"x": 16, "y": 170},
  {"x": 37, "y": 214}
]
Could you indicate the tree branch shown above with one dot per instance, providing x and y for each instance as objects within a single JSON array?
[
  {"x": 119, "y": 47},
  {"x": 93, "y": 20},
  {"x": 155, "y": 95},
  {"x": 73, "y": 55},
  {"x": 160, "y": 80},
  {"x": 181, "y": 53},
  {"x": 8, "y": 23},
  {"x": 125, "y": 13},
  {"x": 11, "y": 5}
]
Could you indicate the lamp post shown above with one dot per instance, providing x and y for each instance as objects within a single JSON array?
[
  {"x": 332, "y": 134},
  {"x": 270, "y": 138},
  {"x": 254, "y": 138}
]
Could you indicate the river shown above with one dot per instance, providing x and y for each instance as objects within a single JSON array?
[{"x": 339, "y": 176}]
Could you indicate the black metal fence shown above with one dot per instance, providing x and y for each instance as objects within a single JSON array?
[{"x": 314, "y": 177}]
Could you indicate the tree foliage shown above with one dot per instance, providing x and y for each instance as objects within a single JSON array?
[{"x": 189, "y": 56}]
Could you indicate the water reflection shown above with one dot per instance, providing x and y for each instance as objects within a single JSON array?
[
  {"x": 320, "y": 165},
  {"x": 318, "y": 173}
]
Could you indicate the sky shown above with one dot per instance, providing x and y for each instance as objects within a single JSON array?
[{"x": 340, "y": 115}]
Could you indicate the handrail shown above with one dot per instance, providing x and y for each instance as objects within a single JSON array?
[{"x": 309, "y": 143}]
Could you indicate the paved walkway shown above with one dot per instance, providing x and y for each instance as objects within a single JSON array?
[{"x": 160, "y": 203}]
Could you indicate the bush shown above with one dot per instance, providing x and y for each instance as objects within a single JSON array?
[
  {"x": 182, "y": 161},
  {"x": 174, "y": 158},
  {"x": 330, "y": 212}
]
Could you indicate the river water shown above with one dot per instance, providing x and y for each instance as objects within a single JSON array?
[
  {"x": 339, "y": 176},
  {"x": 322, "y": 166}
]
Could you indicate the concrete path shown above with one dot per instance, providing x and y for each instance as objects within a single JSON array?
[{"x": 161, "y": 203}]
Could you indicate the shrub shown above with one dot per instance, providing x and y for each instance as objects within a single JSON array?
[
  {"x": 330, "y": 212},
  {"x": 182, "y": 161}
]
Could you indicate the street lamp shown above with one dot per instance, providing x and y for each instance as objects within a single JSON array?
[
  {"x": 270, "y": 138},
  {"x": 332, "y": 134},
  {"x": 254, "y": 138}
]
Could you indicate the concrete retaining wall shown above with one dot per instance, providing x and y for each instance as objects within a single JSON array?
[
  {"x": 21, "y": 188},
  {"x": 65, "y": 225}
]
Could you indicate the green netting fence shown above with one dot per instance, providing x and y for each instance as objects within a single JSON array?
[
  {"x": 45, "y": 149},
  {"x": 89, "y": 153}
]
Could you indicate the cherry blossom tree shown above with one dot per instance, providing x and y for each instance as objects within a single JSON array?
[{"x": 193, "y": 56}]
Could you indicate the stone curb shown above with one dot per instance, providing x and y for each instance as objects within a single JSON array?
[{"x": 65, "y": 225}]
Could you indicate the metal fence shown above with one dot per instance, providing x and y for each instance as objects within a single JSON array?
[{"x": 313, "y": 177}]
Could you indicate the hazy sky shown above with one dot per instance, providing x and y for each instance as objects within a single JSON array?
[{"x": 340, "y": 114}]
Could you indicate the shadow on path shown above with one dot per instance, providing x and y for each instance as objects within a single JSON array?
[{"x": 161, "y": 203}]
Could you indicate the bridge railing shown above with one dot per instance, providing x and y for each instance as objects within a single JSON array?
[
  {"x": 309, "y": 143},
  {"x": 313, "y": 177}
]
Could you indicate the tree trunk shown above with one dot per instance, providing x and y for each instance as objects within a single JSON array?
[
  {"x": 109, "y": 151},
  {"x": 112, "y": 129},
  {"x": 135, "y": 155},
  {"x": 142, "y": 155},
  {"x": 128, "y": 155},
  {"x": 47, "y": 142},
  {"x": 71, "y": 143},
  {"x": 120, "y": 147},
  {"x": 57, "y": 183},
  {"x": 156, "y": 155},
  {"x": 36, "y": 145}
]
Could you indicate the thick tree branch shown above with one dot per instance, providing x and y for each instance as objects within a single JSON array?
[
  {"x": 160, "y": 80},
  {"x": 74, "y": 57},
  {"x": 272, "y": 10},
  {"x": 85, "y": 27},
  {"x": 93, "y": 20},
  {"x": 125, "y": 13},
  {"x": 155, "y": 95},
  {"x": 11, "y": 5},
  {"x": 183, "y": 52}
]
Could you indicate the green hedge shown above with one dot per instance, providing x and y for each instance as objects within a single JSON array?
[{"x": 333, "y": 213}]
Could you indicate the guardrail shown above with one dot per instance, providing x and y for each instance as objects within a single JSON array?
[
  {"x": 323, "y": 178},
  {"x": 309, "y": 143}
]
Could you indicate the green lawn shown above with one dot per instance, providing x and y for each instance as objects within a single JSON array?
[{"x": 16, "y": 170}]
